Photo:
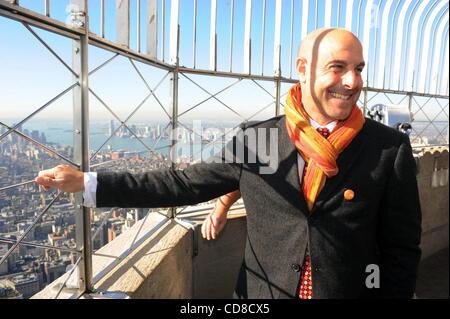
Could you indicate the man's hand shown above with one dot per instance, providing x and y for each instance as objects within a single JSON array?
[{"x": 62, "y": 177}]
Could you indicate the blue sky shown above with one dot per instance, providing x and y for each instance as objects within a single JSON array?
[{"x": 31, "y": 69}]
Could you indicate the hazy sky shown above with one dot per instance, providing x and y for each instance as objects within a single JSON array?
[{"x": 30, "y": 76}]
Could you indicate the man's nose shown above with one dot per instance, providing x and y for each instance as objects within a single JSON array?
[{"x": 351, "y": 79}]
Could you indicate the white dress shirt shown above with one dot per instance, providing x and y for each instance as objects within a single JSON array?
[{"x": 90, "y": 178}]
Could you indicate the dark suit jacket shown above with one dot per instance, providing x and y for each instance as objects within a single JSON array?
[{"x": 381, "y": 225}]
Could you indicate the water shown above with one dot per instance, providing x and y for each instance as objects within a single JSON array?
[{"x": 61, "y": 133}]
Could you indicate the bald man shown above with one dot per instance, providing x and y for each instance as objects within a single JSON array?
[{"x": 339, "y": 216}]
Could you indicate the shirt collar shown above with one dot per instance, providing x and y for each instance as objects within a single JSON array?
[{"x": 330, "y": 126}]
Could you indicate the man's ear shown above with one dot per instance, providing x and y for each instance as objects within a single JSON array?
[{"x": 301, "y": 69}]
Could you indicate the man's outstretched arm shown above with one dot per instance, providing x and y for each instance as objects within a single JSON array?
[{"x": 159, "y": 188}]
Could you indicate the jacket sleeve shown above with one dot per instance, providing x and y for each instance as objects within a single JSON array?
[
  {"x": 400, "y": 227},
  {"x": 169, "y": 187}
]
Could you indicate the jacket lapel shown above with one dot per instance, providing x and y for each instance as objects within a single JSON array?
[{"x": 288, "y": 168}]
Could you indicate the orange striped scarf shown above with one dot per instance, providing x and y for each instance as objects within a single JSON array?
[{"x": 320, "y": 153}]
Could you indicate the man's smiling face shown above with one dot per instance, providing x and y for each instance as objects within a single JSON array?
[{"x": 331, "y": 76}]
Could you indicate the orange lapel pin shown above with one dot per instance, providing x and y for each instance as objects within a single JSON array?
[{"x": 349, "y": 194}]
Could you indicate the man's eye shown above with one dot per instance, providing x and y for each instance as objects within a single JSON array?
[
  {"x": 359, "y": 70},
  {"x": 336, "y": 68}
]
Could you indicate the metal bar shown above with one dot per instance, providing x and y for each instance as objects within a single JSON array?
[
  {"x": 163, "y": 31},
  {"x": 16, "y": 185},
  {"x": 339, "y": 14},
  {"x": 194, "y": 37},
  {"x": 277, "y": 40},
  {"x": 327, "y": 18},
  {"x": 366, "y": 40},
  {"x": 68, "y": 277},
  {"x": 149, "y": 88},
  {"x": 359, "y": 17},
  {"x": 381, "y": 65},
  {"x": 411, "y": 61},
  {"x": 277, "y": 97},
  {"x": 104, "y": 143},
  {"x": 443, "y": 84},
  {"x": 213, "y": 37},
  {"x": 247, "y": 36},
  {"x": 102, "y": 18},
  {"x": 30, "y": 244},
  {"x": 375, "y": 45},
  {"x": 399, "y": 40},
  {"x": 317, "y": 15},
  {"x": 27, "y": 231},
  {"x": 208, "y": 98},
  {"x": 292, "y": 38},
  {"x": 103, "y": 64},
  {"x": 263, "y": 34},
  {"x": 232, "y": 34},
  {"x": 37, "y": 111},
  {"x": 138, "y": 31},
  {"x": 126, "y": 52},
  {"x": 174, "y": 31},
  {"x": 427, "y": 46},
  {"x": 206, "y": 91},
  {"x": 49, "y": 49},
  {"x": 174, "y": 122},
  {"x": 123, "y": 22},
  {"x": 263, "y": 88},
  {"x": 434, "y": 74},
  {"x": 80, "y": 60},
  {"x": 426, "y": 26},
  {"x": 349, "y": 15},
  {"x": 405, "y": 52},
  {"x": 152, "y": 28},
  {"x": 305, "y": 18},
  {"x": 48, "y": 149},
  {"x": 47, "y": 7},
  {"x": 394, "y": 66},
  {"x": 38, "y": 20}
]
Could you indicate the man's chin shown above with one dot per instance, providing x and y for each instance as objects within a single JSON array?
[{"x": 340, "y": 116}]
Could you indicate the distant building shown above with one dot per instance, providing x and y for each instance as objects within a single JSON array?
[
  {"x": 26, "y": 284},
  {"x": 54, "y": 270},
  {"x": 8, "y": 290}
]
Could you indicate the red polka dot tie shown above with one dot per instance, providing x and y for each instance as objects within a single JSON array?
[{"x": 305, "y": 290}]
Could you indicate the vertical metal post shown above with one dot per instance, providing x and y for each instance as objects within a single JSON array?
[
  {"x": 102, "y": 18},
  {"x": 277, "y": 96},
  {"x": 410, "y": 97},
  {"x": 194, "y": 37},
  {"x": 138, "y": 31},
  {"x": 277, "y": 40},
  {"x": 247, "y": 37},
  {"x": 151, "y": 21},
  {"x": 231, "y": 35},
  {"x": 213, "y": 37},
  {"x": 81, "y": 144},
  {"x": 263, "y": 35},
  {"x": 292, "y": 38},
  {"x": 47, "y": 8},
  {"x": 174, "y": 94},
  {"x": 365, "y": 101},
  {"x": 123, "y": 22}
]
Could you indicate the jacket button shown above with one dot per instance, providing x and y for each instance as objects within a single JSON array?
[
  {"x": 296, "y": 267},
  {"x": 317, "y": 268}
]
